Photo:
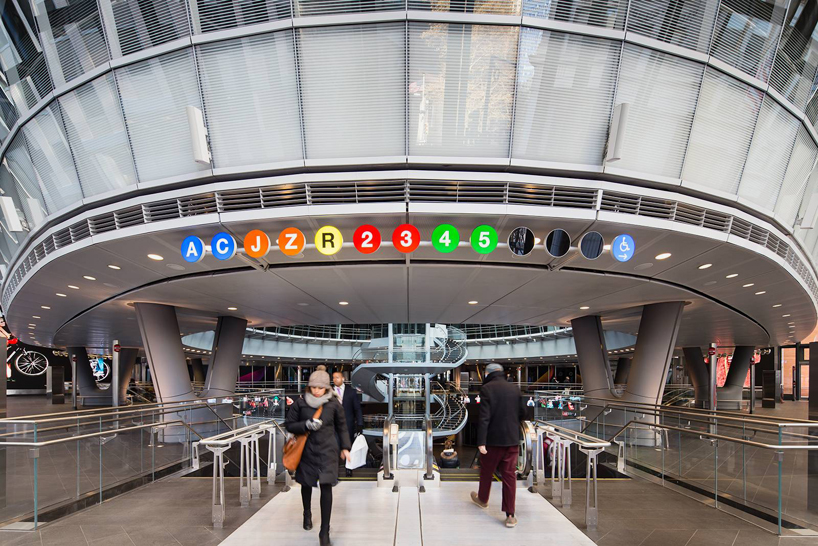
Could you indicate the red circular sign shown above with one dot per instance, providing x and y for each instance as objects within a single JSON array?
[
  {"x": 711, "y": 351},
  {"x": 367, "y": 239},
  {"x": 116, "y": 348},
  {"x": 406, "y": 238}
]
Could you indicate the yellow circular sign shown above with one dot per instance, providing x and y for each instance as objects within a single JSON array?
[{"x": 328, "y": 240}]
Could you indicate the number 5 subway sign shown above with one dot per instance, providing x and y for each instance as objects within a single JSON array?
[{"x": 367, "y": 239}]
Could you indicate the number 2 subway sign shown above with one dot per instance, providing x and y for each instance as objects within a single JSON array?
[{"x": 405, "y": 238}]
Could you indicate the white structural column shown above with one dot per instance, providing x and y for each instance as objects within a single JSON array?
[
  {"x": 224, "y": 364},
  {"x": 163, "y": 347},
  {"x": 592, "y": 355},
  {"x": 198, "y": 370},
  {"x": 655, "y": 342},
  {"x": 696, "y": 369},
  {"x": 84, "y": 382},
  {"x": 127, "y": 361}
]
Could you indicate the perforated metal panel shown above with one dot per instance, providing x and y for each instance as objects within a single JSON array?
[
  {"x": 141, "y": 24},
  {"x": 263, "y": 126},
  {"x": 597, "y": 13},
  {"x": 721, "y": 133},
  {"x": 564, "y": 95},
  {"x": 662, "y": 91},
  {"x": 801, "y": 164},
  {"x": 685, "y": 23},
  {"x": 353, "y": 85},
  {"x": 461, "y": 89}
]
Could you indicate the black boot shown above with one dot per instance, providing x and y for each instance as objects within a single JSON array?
[
  {"x": 307, "y": 521},
  {"x": 323, "y": 540}
]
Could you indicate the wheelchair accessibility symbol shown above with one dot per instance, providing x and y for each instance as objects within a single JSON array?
[{"x": 623, "y": 248}]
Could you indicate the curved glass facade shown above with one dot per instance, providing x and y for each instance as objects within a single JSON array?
[{"x": 721, "y": 95}]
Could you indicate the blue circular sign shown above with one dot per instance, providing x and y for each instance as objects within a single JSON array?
[
  {"x": 623, "y": 247},
  {"x": 193, "y": 249},
  {"x": 223, "y": 246}
]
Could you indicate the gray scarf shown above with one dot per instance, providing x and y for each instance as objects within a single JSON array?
[{"x": 317, "y": 402}]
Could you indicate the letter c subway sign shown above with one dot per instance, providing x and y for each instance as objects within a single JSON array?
[{"x": 367, "y": 239}]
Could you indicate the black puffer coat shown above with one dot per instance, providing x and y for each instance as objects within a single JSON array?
[{"x": 322, "y": 455}]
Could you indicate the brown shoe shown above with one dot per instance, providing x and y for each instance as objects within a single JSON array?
[
  {"x": 476, "y": 500},
  {"x": 511, "y": 521}
]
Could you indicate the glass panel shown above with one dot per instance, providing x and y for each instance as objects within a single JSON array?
[
  {"x": 461, "y": 87},
  {"x": 597, "y": 13},
  {"x": 504, "y": 7},
  {"x": 223, "y": 14},
  {"x": 662, "y": 91},
  {"x": 769, "y": 154},
  {"x": 19, "y": 164},
  {"x": 22, "y": 60},
  {"x": 52, "y": 159},
  {"x": 96, "y": 132},
  {"x": 795, "y": 62},
  {"x": 795, "y": 181},
  {"x": 72, "y": 36},
  {"x": 721, "y": 133},
  {"x": 141, "y": 24},
  {"x": 564, "y": 95},
  {"x": 353, "y": 89},
  {"x": 161, "y": 89},
  {"x": 685, "y": 23},
  {"x": 264, "y": 126},
  {"x": 329, "y": 7},
  {"x": 787, "y": 369},
  {"x": 747, "y": 33}
]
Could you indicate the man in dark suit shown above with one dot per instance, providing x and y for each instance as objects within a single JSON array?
[{"x": 352, "y": 406}]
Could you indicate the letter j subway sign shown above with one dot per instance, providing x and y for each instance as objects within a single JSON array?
[{"x": 405, "y": 238}]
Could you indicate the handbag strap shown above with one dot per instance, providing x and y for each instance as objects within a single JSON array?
[{"x": 316, "y": 416}]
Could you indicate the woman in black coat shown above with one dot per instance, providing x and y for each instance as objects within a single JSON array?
[{"x": 319, "y": 462}]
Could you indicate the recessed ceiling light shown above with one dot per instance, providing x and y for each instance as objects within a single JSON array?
[
  {"x": 61, "y": 295},
  {"x": 584, "y": 307},
  {"x": 776, "y": 305},
  {"x": 176, "y": 267},
  {"x": 731, "y": 276},
  {"x": 155, "y": 257},
  {"x": 112, "y": 266},
  {"x": 762, "y": 292},
  {"x": 473, "y": 302},
  {"x": 34, "y": 316},
  {"x": 31, "y": 327},
  {"x": 606, "y": 247},
  {"x": 787, "y": 323},
  {"x": 89, "y": 278},
  {"x": 537, "y": 240},
  {"x": 45, "y": 307},
  {"x": 74, "y": 287},
  {"x": 343, "y": 303},
  {"x": 710, "y": 283},
  {"x": 664, "y": 256},
  {"x": 303, "y": 304},
  {"x": 784, "y": 316},
  {"x": 31, "y": 324},
  {"x": 232, "y": 308},
  {"x": 748, "y": 285},
  {"x": 705, "y": 266}
]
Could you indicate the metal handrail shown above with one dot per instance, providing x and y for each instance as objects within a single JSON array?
[
  {"x": 227, "y": 438},
  {"x": 582, "y": 439},
  {"x": 387, "y": 473},
  {"x": 430, "y": 456}
]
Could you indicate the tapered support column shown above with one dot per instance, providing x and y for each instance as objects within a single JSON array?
[
  {"x": 655, "y": 342},
  {"x": 198, "y": 370},
  {"x": 623, "y": 370},
  {"x": 729, "y": 396},
  {"x": 3, "y": 415},
  {"x": 127, "y": 361},
  {"x": 592, "y": 355},
  {"x": 696, "y": 369},
  {"x": 85, "y": 383},
  {"x": 163, "y": 347},
  {"x": 224, "y": 364}
]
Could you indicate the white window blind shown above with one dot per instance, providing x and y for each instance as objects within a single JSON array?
[
  {"x": 224, "y": 14},
  {"x": 24, "y": 201},
  {"x": 597, "y": 13},
  {"x": 501, "y": 7},
  {"x": 155, "y": 94},
  {"x": 662, "y": 91},
  {"x": 564, "y": 96},
  {"x": 795, "y": 62},
  {"x": 722, "y": 129},
  {"x": 461, "y": 89},
  {"x": 330, "y": 7},
  {"x": 19, "y": 164},
  {"x": 353, "y": 86},
  {"x": 685, "y": 23},
  {"x": 769, "y": 154},
  {"x": 96, "y": 133},
  {"x": 52, "y": 160},
  {"x": 251, "y": 100},
  {"x": 795, "y": 181},
  {"x": 141, "y": 24}
]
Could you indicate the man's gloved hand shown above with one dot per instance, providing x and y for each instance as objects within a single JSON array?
[{"x": 314, "y": 424}]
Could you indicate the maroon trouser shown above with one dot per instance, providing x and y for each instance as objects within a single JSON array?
[{"x": 504, "y": 461}]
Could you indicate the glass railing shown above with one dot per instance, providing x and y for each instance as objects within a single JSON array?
[
  {"x": 752, "y": 466},
  {"x": 58, "y": 460}
]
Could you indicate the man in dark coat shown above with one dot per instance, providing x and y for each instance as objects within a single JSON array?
[
  {"x": 352, "y": 407},
  {"x": 498, "y": 438},
  {"x": 319, "y": 461}
]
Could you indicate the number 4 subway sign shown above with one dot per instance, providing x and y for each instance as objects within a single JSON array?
[{"x": 367, "y": 240}]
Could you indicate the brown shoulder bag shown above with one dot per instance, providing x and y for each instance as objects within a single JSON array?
[{"x": 294, "y": 447}]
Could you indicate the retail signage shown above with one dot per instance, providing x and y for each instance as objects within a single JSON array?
[{"x": 367, "y": 239}]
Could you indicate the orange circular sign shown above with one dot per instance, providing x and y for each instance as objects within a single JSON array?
[
  {"x": 291, "y": 241},
  {"x": 256, "y": 244}
]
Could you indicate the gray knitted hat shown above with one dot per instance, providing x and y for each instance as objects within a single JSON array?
[
  {"x": 319, "y": 378},
  {"x": 493, "y": 367}
]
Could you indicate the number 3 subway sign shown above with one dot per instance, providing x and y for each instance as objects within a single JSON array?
[{"x": 405, "y": 238}]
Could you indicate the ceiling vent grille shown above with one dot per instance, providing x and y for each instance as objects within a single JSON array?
[
  {"x": 284, "y": 195},
  {"x": 103, "y": 223},
  {"x": 80, "y": 231},
  {"x": 132, "y": 216},
  {"x": 332, "y": 193},
  {"x": 236, "y": 200},
  {"x": 162, "y": 210},
  {"x": 198, "y": 205},
  {"x": 620, "y": 203}
]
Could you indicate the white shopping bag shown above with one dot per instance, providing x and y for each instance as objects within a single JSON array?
[{"x": 357, "y": 455}]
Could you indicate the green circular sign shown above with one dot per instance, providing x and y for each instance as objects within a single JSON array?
[
  {"x": 484, "y": 239},
  {"x": 445, "y": 238}
]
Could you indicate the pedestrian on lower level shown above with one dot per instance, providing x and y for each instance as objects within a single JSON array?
[
  {"x": 498, "y": 439},
  {"x": 319, "y": 462}
]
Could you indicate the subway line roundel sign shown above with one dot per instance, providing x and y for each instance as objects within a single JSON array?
[{"x": 405, "y": 238}]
